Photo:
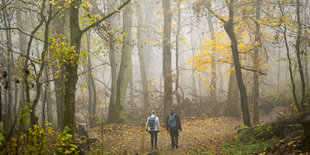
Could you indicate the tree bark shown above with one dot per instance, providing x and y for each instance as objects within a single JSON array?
[{"x": 168, "y": 99}]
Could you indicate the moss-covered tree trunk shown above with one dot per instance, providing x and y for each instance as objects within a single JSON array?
[{"x": 71, "y": 67}]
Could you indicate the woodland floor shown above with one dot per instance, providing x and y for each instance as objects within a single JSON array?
[{"x": 203, "y": 136}]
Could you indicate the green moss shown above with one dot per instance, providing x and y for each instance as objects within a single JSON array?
[{"x": 250, "y": 147}]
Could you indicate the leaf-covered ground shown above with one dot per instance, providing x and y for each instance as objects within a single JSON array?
[{"x": 198, "y": 136}]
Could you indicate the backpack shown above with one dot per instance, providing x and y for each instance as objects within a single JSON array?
[
  {"x": 152, "y": 122},
  {"x": 171, "y": 120}
]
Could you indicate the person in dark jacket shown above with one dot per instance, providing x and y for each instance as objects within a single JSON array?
[{"x": 173, "y": 125}]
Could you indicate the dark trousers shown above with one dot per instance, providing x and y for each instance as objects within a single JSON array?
[
  {"x": 174, "y": 133},
  {"x": 153, "y": 136}
]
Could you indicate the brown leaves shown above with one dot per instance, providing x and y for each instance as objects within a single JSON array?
[{"x": 115, "y": 138}]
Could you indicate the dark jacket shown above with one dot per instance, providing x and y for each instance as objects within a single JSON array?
[{"x": 177, "y": 120}]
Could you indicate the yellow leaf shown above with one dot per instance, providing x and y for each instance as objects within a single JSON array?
[{"x": 116, "y": 10}]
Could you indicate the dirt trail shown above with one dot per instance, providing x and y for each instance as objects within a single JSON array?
[{"x": 195, "y": 134}]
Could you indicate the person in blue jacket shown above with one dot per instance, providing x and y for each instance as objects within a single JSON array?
[{"x": 173, "y": 126}]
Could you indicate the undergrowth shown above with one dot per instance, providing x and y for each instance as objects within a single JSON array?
[{"x": 239, "y": 147}]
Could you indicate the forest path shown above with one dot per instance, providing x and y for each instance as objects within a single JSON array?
[{"x": 196, "y": 134}]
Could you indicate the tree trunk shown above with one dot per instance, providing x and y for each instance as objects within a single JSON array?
[
  {"x": 131, "y": 88},
  {"x": 49, "y": 105},
  {"x": 233, "y": 97},
  {"x": 1, "y": 118},
  {"x": 278, "y": 75},
  {"x": 177, "y": 94},
  {"x": 298, "y": 53},
  {"x": 58, "y": 74},
  {"x": 33, "y": 117},
  {"x": 194, "y": 88},
  {"x": 92, "y": 117},
  {"x": 213, "y": 59},
  {"x": 168, "y": 99},
  {"x": 256, "y": 66},
  {"x": 7, "y": 24},
  {"x": 22, "y": 46},
  {"x": 113, "y": 80},
  {"x": 71, "y": 76},
  {"x": 148, "y": 35},
  {"x": 143, "y": 67},
  {"x": 289, "y": 59},
  {"x": 112, "y": 58},
  {"x": 229, "y": 28},
  {"x": 43, "y": 100},
  {"x": 306, "y": 69},
  {"x": 118, "y": 113}
]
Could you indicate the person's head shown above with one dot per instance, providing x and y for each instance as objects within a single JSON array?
[
  {"x": 153, "y": 112},
  {"x": 172, "y": 110}
]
